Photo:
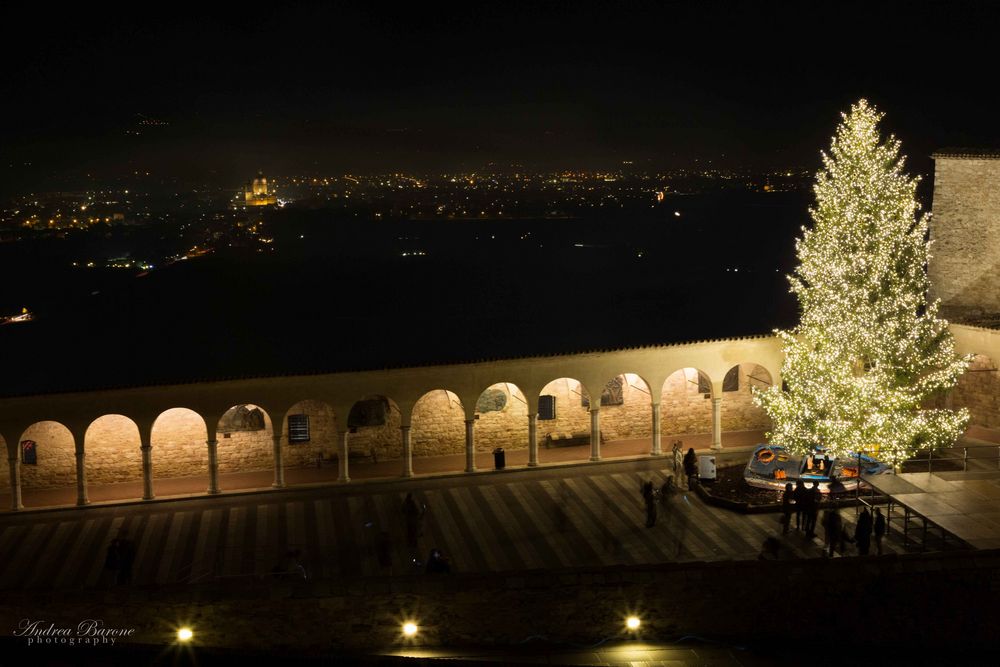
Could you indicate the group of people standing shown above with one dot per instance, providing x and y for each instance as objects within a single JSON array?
[{"x": 804, "y": 503}]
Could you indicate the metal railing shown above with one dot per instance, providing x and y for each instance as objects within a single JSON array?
[{"x": 992, "y": 454}]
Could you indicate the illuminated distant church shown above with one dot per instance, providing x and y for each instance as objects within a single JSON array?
[{"x": 256, "y": 192}]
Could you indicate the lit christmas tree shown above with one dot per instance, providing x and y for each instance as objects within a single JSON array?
[{"x": 869, "y": 351}]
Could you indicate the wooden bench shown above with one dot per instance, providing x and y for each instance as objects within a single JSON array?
[{"x": 564, "y": 439}]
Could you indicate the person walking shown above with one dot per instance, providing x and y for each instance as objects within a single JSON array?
[
  {"x": 786, "y": 508},
  {"x": 813, "y": 497},
  {"x": 879, "y": 529},
  {"x": 649, "y": 497},
  {"x": 690, "y": 467},
  {"x": 413, "y": 515},
  {"x": 833, "y": 528},
  {"x": 799, "y": 496},
  {"x": 863, "y": 532}
]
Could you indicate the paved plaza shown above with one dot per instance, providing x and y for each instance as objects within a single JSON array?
[{"x": 588, "y": 515}]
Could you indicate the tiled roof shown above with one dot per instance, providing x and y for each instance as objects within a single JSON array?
[{"x": 968, "y": 153}]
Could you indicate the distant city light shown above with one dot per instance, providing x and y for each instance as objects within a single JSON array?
[{"x": 409, "y": 628}]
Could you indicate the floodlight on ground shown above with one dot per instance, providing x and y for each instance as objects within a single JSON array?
[
  {"x": 184, "y": 635},
  {"x": 632, "y": 623},
  {"x": 409, "y": 629}
]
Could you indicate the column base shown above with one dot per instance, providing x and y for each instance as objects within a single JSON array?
[
  {"x": 716, "y": 447},
  {"x": 470, "y": 470},
  {"x": 533, "y": 464},
  {"x": 213, "y": 493},
  {"x": 343, "y": 480},
  {"x": 408, "y": 474},
  {"x": 148, "y": 497},
  {"x": 276, "y": 485},
  {"x": 595, "y": 458},
  {"x": 82, "y": 503}
]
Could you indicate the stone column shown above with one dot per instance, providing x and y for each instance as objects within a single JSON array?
[
  {"x": 279, "y": 465},
  {"x": 407, "y": 452},
  {"x": 716, "y": 423},
  {"x": 343, "y": 475},
  {"x": 595, "y": 434},
  {"x": 213, "y": 466},
  {"x": 470, "y": 445},
  {"x": 657, "y": 446},
  {"x": 14, "y": 465},
  {"x": 533, "y": 439},
  {"x": 147, "y": 470},
  {"x": 81, "y": 478}
]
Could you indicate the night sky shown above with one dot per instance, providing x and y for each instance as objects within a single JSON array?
[{"x": 435, "y": 88}]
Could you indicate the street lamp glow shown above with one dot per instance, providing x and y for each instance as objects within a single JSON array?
[
  {"x": 184, "y": 635},
  {"x": 409, "y": 628},
  {"x": 632, "y": 623}
]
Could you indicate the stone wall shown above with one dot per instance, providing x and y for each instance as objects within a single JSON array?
[
  {"x": 507, "y": 428},
  {"x": 322, "y": 435},
  {"x": 179, "y": 444},
  {"x": 437, "y": 424},
  {"x": 979, "y": 390},
  {"x": 683, "y": 409},
  {"x": 4, "y": 467},
  {"x": 630, "y": 420},
  {"x": 56, "y": 452},
  {"x": 380, "y": 442},
  {"x": 965, "y": 258},
  {"x": 112, "y": 445},
  {"x": 738, "y": 410},
  {"x": 240, "y": 451}
]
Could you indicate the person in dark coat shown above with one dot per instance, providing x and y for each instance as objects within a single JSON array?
[
  {"x": 879, "y": 529},
  {"x": 437, "y": 563},
  {"x": 690, "y": 467},
  {"x": 413, "y": 514},
  {"x": 863, "y": 532},
  {"x": 833, "y": 527},
  {"x": 799, "y": 496},
  {"x": 813, "y": 497},
  {"x": 786, "y": 507},
  {"x": 649, "y": 497},
  {"x": 126, "y": 557}
]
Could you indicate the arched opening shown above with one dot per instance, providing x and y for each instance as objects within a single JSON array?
[
  {"x": 978, "y": 390},
  {"x": 501, "y": 421},
  {"x": 179, "y": 452},
  {"x": 374, "y": 436},
  {"x": 739, "y": 413},
  {"x": 48, "y": 465},
  {"x": 245, "y": 442},
  {"x": 437, "y": 434},
  {"x": 562, "y": 428},
  {"x": 309, "y": 442},
  {"x": 685, "y": 404},
  {"x": 626, "y": 416},
  {"x": 114, "y": 456}
]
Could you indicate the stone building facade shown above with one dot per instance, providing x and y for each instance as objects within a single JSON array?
[{"x": 965, "y": 230}]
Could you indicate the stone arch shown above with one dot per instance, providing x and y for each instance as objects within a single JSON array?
[
  {"x": 321, "y": 424},
  {"x": 685, "y": 402},
  {"x": 739, "y": 413},
  {"x": 978, "y": 390},
  {"x": 55, "y": 463},
  {"x": 373, "y": 422},
  {"x": 244, "y": 437},
  {"x": 501, "y": 426},
  {"x": 438, "y": 429},
  {"x": 179, "y": 445},
  {"x": 572, "y": 415},
  {"x": 628, "y": 415},
  {"x": 114, "y": 453}
]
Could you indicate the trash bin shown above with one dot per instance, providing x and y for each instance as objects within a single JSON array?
[
  {"x": 499, "y": 458},
  {"x": 706, "y": 468}
]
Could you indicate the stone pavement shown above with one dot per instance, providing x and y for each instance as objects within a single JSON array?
[{"x": 515, "y": 520}]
